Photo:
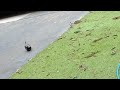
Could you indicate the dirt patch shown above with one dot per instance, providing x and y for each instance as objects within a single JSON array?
[
  {"x": 77, "y": 22},
  {"x": 92, "y": 54},
  {"x": 113, "y": 48},
  {"x": 71, "y": 25},
  {"x": 90, "y": 30},
  {"x": 88, "y": 34},
  {"x": 115, "y": 35},
  {"x": 73, "y": 39},
  {"x": 114, "y": 51},
  {"x": 115, "y": 18},
  {"x": 107, "y": 36},
  {"x": 60, "y": 38},
  {"x": 76, "y": 32},
  {"x": 76, "y": 77},
  {"x": 48, "y": 74},
  {"x": 83, "y": 67},
  {"x": 19, "y": 72},
  {"x": 96, "y": 40}
]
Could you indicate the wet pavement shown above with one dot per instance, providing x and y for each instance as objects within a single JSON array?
[{"x": 39, "y": 29}]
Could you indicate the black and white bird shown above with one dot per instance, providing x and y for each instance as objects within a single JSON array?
[{"x": 27, "y": 47}]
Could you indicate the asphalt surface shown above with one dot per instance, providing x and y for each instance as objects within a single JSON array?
[{"x": 39, "y": 29}]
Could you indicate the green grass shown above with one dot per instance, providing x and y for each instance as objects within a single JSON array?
[{"x": 88, "y": 50}]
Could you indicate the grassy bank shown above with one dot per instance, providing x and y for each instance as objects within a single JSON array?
[{"x": 90, "y": 49}]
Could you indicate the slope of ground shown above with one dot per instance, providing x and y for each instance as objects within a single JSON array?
[{"x": 90, "y": 49}]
